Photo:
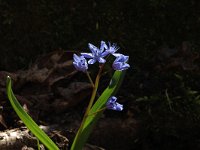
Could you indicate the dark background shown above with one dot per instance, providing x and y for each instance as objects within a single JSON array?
[{"x": 160, "y": 36}]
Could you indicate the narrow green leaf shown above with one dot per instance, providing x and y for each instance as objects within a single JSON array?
[
  {"x": 28, "y": 121},
  {"x": 100, "y": 103}
]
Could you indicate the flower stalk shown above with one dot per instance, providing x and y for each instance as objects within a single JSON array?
[
  {"x": 94, "y": 91},
  {"x": 90, "y": 79}
]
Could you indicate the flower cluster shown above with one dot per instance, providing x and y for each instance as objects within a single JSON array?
[{"x": 98, "y": 55}]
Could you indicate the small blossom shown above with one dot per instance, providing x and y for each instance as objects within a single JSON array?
[
  {"x": 120, "y": 62},
  {"x": 112, "y": 104},
  {"x": 97, "y": 54},
  {"x": 112, "y": 48},
  {"x": 80, "y": 63}
]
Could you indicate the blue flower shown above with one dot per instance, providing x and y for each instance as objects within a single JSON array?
[
  {"x": 120, "y": 62},
  {"x": 111, "y": 48},
  {"x": 112, "y": 104},
  {"x": 97, "y": 54},
  {"x": 80, "y": 63}
]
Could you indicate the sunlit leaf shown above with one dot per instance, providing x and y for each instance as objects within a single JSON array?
[{"x": 27, "y": 120}]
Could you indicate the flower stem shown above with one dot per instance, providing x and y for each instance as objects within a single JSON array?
[
  {"x": 88, "y": 75},
  {"x": 95, "y": 87}
]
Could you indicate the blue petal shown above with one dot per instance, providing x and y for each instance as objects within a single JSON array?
[
  {"x": 93, "y": 48},
  {"x": 75, "y": 64},
  {"x": 125, "y": 58},
  {"x": 113, "y": 99},
  {"x": 113, "y": 48},
  {"x": 87, "y": 55},
  {"x": 117, "y": 66},
  {"x": 125, "y": 66},
  {"x": 118, "y": 59},
  {"x": 76, "y": 58},
  {"x": 118, "y": 107},
  {"x": 117, "y": 55},
  {"x": 103, "y": 45},
  {"x": 91, "y": 61},
  {"x": 104, "y": 54},
  {"x": 101, "y": 60}
]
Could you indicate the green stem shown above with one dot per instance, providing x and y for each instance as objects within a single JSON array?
[
  {"x": 100, "y": 110},
  {"x": 88, "y": 75},
  {"x": 95, "y": 87}
]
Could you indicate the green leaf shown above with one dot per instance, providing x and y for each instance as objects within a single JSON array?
[
  {"x": 100, "y": 104},
  {"x": 28, "y": 121}
]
